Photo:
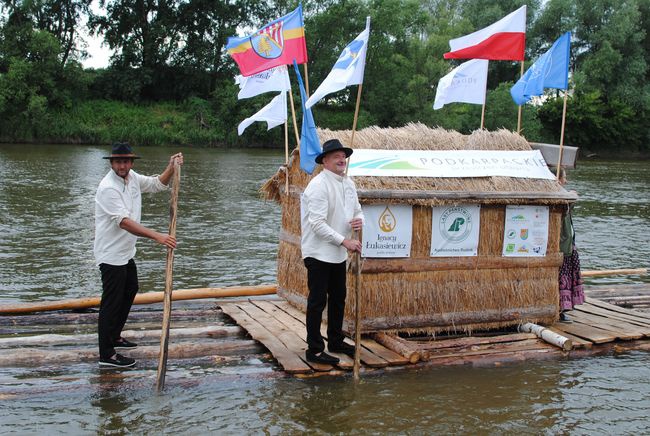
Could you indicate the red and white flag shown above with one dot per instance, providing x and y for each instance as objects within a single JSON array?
[{"x": 504, "y": 40}]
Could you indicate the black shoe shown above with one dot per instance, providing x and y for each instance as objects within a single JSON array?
[
  {"x": 565, "y": 318},
  {"x": 119, "y": 361},
  {"x": 123, "y": 343},
  {"x": 342, "y": 348},
  {"x": 321, "y": 357}
]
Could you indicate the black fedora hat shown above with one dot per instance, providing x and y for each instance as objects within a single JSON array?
[
  {"x": 330, "y": 146},
  {"x": 121, "y": 150}
]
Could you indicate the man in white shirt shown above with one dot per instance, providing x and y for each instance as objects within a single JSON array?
[
  {"x": 331, "y": 210},
  {"x": 118, "y": 205}
]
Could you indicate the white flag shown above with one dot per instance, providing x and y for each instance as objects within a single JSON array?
[
  {"x": 273, "y": 79},
  {"x": 464, "y": 84},
  {"x": 348, "y": 69},
  {"x": 274, "y": 113}
]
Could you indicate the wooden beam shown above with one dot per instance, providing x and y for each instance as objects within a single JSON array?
[
  {"x": 374, "y": 266},
  {"x": 424, "y": 194},
  {"x": 146, "y": 298}
]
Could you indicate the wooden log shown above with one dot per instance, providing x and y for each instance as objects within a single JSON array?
[
  {"x": 75, "y": 319},
  {"x": 459, "y": 319},
  {"x": 147, "y": 298},
  {"x": 135, "y": 335},
  {"x": 614, "y": 272},
  {"x": 35, "y": 356},
  {"x": 398, "y": 345},
  {"x": 547, "y": 335},
  {"x": 370, "y": 266},
  {"x": 474, "y": 340}
]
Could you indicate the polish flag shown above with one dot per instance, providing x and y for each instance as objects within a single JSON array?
[{"x": 504, "y": 40}]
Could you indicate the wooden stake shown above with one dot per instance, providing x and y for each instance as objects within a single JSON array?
[
  {"x": 559, "y": 160},
  {"x": 519, "y": 109},
  {"x": 357, "y": 312},
  {"x": 167, "y": 303}
]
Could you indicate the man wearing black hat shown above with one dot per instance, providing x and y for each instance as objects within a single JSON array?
[
  {"x": 117, "y": 227},
  {"x": 330, "y": 211}
]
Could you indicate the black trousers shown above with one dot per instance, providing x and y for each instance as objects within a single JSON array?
[
  {"x": 119, "y": 284},
  {"x": 326, "y": 282}
]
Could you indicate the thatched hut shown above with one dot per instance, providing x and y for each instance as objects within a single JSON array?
[{"x": 433, "y": 294}]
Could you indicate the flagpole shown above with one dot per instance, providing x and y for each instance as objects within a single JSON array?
[
  {"x": 483, "y": 115},
  {"x": 293, "y": 116},
  {"x": 286, "y": 155},
  {"x": 559, "y": 160},
  {"x": 519, "y": 108},
  {"x": 306, "y": 79},
  {"x": 354, "y": 123}
]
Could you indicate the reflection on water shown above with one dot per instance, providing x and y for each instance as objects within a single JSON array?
[{"x": 228, "y": 236}]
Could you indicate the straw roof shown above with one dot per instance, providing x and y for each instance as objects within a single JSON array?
[{"x": 428, "y": 191}]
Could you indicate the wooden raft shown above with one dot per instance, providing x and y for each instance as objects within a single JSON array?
[{"x": 281, "y": 329}]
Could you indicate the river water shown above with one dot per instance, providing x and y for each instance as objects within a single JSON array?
[{"x": 228, "y": 236}]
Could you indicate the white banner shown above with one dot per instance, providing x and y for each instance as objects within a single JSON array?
[
  {"x": 527, "y": 164},
  {"x": 455, "y": 230},
  {"x": 526, "y": 231},
  {"x": 464, "y": 84},
  {"x": 387, "y": 230}
]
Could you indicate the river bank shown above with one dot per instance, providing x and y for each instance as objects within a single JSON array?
[{"x": 195, "y": 124}]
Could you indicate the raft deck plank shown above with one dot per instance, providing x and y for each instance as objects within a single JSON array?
[
  {"x": 289, "y": 361},
  {"x": 296, "y": 326},
  {"x": 288, "y": 337},
  {"x": 376, "y": 356},
  {"x": 638, "y": 323},
  {"x": 618, "y": 309},
  {"x": 625, "y": 330}
]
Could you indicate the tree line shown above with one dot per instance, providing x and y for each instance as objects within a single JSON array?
[{"x": 171, "y": 81}]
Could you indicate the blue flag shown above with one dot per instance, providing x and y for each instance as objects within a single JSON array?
[
  {"x": 551, "y": 70},
  {"x": 309, "y": 143}
]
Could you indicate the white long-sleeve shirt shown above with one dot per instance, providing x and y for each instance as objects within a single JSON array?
[
  {"x": 328, "y": 205},
  {"x": 115, "y": 200}
]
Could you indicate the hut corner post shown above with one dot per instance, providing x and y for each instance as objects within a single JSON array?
[{"x": 167, "y": 302}]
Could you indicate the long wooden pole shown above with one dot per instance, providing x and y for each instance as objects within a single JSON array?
[
  {"x": 357, "y": 313},
  {"x": 519, "y": 108},
  {"x": 146, "y": 298},
  {"x": 559, "y": 159},
  {"x": 169, "y": 270}
]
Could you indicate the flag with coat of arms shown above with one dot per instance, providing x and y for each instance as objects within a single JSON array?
[{"x": 278, "y": 43}]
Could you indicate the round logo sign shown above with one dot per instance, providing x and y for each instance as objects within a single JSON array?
[{"x": 455, "y": 224}]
